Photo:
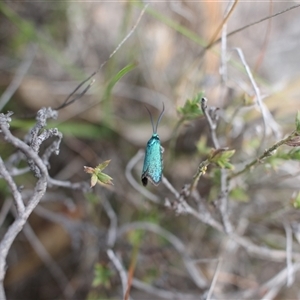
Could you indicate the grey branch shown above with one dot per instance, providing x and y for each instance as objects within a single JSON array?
[{"x": 39, "y": 191}]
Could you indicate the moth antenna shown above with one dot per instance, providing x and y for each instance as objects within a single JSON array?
[
  {"x": 159, "y": 118},
  {"x": 150, "y": 119}
]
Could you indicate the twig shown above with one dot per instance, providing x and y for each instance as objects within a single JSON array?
[
  {"x": 204, "y": 216},
  {"x": 201, "y": 170},
  {"x": 256, "y": 22},
  {"x": 13, "y": 187},
  {"x": 212, "y": 128},
  {"x": 224, "y": 184},
  {"x": 224, "y": 202},
  {"x": 215, "y": 278},
  {"x": 257, "y": 251},
  {"x": 83, "y": 186},
  {"x": 228, "y": 14},
  {"x": 272, "y": 293},
  {"x": 267, "y": 153},
  {"x": 160, "y": 293},
  {"x": 277, "y": 282},
  {"x": 6, "y": 206},
  {"x": 223, "y": 63},
  {"x": 118, "y": 265},
  {"x": 262, "y": 252},
  {"x": 183, "y": 207},
  {"x": 257, "y": 94},
  {"x": 39, "y": 191},
  {"x": 38, "y": 135},
  {"x": 170, "y": 187},
  {"x": 211, "y": 123},
  {"x": 112, "y": 231}
]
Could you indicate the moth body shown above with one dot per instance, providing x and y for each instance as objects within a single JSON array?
[{"x": 153, "y": 162}]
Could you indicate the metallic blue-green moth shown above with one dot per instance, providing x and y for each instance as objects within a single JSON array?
[{"x": 153, "y": 162}]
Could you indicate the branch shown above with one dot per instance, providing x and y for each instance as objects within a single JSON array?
[
  {"x": 212, "y": 122},
  {"x": 38, "y": 135},
  {"x": 39, "y": 191},
  {"x": 267, "y": 153},
  {"x": 255, "y": 23},
  {"x": 162, "y": 293},
  {"x": 13, "y": 187},
  {"x": 118, "y": 265}
]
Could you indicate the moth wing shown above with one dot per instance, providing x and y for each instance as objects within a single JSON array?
[{"x": 153, "y": 163}]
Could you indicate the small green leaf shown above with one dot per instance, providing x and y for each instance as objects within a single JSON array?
[
  {"x": 97, "y": 175},
  {"x": 221, "y": 158},
  {"x": 116, "y": 78},
  {"x": 94, "y": 180},
  {"x": 103, "y": 165},
  {"x": 102, "y": 276},
  {"x": 191, "y": 109},
  {"x": 104, "y": 178}
]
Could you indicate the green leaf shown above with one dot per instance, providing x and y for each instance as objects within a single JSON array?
[
  {"x": 103, "y": 165},
  {"x": 108, "y": 90},
  {"x": 94, "y": 180},
  {"x": 104, "y": 178},
  {"x": 115, "y": 79},
  {"x": 192, "y": 108},
  {"x": 102, "y": 276},
  {"x": 97, "y": 175},
  {"x": 221, "y": 158}
]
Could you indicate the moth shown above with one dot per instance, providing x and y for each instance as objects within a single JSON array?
[{"x": 153, "y": 162}]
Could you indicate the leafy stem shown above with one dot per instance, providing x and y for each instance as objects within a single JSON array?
[{"x": 267, "y": 153}]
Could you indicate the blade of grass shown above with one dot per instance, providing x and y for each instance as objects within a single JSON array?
[{"x": 107, "y": 92}]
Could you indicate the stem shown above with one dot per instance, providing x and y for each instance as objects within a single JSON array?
[
  {"x": 200, "y": 171},
  {"x": 266, "y": 154}
]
